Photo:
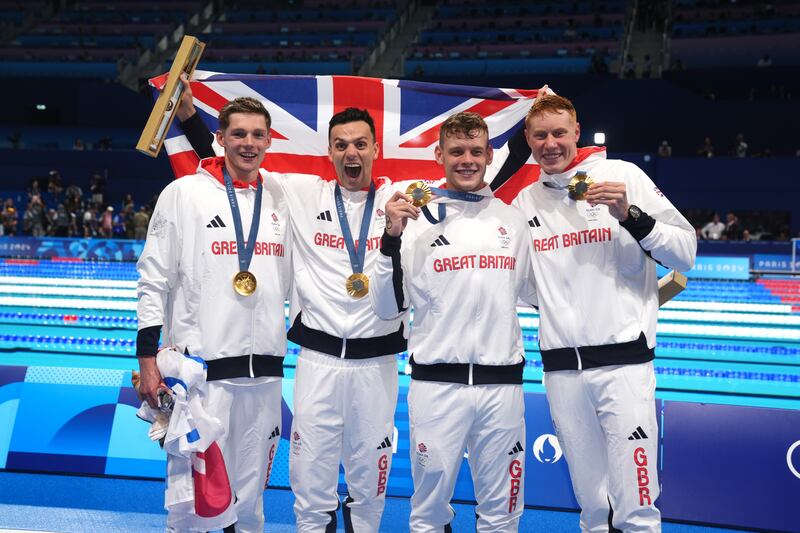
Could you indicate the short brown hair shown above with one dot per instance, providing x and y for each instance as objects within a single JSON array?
[
  {"x": 551, "y": 103},
  {"x": 466, "y": 123},
  {"x": 243, "y": 104}
]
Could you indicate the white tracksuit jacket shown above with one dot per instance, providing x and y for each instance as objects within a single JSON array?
[
  {"x": 588, "y": 266},
  {"x": 187, "y": 267},
  {"x": 330, "y": 321},
  {"x": 462, "y": 277}
]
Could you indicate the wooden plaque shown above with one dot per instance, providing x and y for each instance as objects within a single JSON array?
[
  {"x": 166, "y": 105},
  {"x": 670, "y": 286}
]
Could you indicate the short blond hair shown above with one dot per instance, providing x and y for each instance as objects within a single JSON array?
[{"x": 466, "y": 123}]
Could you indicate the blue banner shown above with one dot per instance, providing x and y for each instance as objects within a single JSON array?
[
  {"x": 774, "y": 262},
  {"x": 714, "y": 267},
  {"x": 88, "y": 249},
  {"x": 731, "y": 465}
]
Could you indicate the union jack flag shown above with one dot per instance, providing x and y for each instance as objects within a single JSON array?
[{"x": 407, "y": 117}]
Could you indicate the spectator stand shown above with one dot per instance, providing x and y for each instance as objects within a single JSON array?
[{"x": 480, "y": 38}]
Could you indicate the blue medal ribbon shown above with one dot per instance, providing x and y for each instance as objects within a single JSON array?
[
  {"x": 356, "y": 255},
  {"x": 244, "y": 252},
  {"x": 455, "y": 195}
]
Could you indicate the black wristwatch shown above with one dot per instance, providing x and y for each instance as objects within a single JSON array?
[{"x": 634, "y": 212}]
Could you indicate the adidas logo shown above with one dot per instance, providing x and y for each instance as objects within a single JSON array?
[
  {"x": 385, "y": 444},
  {"x": 534, "y": 222},
  {"x": 216, "y": 222},
  {"x": 275, "y": 432},
  {"x": 639, "y": 434},
  {"x": 517, "y": 448},
  {"x": 441, "y": 241},
  {"x": 325, "y": 215}
]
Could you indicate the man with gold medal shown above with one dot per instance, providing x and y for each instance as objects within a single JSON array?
[
  {"x": 461, "y": 266},
  {"x": 598, "y": 227},
  {"x": 214, "y": 276}
]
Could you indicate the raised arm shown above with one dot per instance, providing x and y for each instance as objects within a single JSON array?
[
  {"x": 192, "y": 125},
  {"x": 388, "y": 291}
]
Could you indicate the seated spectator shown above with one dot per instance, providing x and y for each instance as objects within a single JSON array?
[
  {"x": 629, "y": 68},
  {"x": 733, "y": 230},
  {"x": 740, "y": 146},
  {"x": 664, "y": 149},
  {"x": 123, "y": 223},
  {"x": 647, "y": 68},
  {"x": 73, "y": 199},
  {"x": 707, "y": 150},
  {"x": 9, "y": 218},
  {"x": 97, "y": 187},
  {"x": 714, "y": 229},
  {"x": 35, "y": 189},
  {"x": 61, "y": 222},
  {"x": 54, "y": 185},
  {"x": 34, "y": 218},
  {"x": 90, "y": 222},
  {"x": 764, "y": 61},
  {"x": 107, "y": 223},
  {"x": 127, "y": 201},
  {"x": 140, "y": 221},
  {"x": 78, "y": 145},
  {"x": 746, "y": 236},
  {"x": 50, "y": 222}
]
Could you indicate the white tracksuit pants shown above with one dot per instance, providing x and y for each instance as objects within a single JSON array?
[
  {"x": 251, "y": 413},
  {"x": 343, "y": 410},
  {"x": 487, "y": 420},
  {"x": 605, "y": 419}
]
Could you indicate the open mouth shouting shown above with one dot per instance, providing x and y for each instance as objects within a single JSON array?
[{"x": 352, "y": 170}]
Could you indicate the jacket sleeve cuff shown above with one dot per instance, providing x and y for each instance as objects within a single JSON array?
[
  {"x": 390, "y": 245},
  {"x": 147, "y": 341},
  {"x": 639, "y": 228}
]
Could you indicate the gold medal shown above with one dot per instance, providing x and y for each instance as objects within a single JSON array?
[
  {"x": 244, "y": 283},
  {"x": 420, "y": 193},
  {"x": 357, "y": 285},
  {"x": 579, "y": 186}
]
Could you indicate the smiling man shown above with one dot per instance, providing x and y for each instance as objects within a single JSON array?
[
  {"x": 601, "y": 226},
  {"x": 346, "y": 380},
  {"x": 461, "y": 267},
  {"x": 214, "y": 275}
]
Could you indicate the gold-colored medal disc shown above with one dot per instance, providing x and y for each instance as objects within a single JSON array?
[
  {"x": 357, "y": 285},
  {"x": 579, "y": 186},
  {"x": 244, "y": 283},
  {"x": 420, "y": 193}
]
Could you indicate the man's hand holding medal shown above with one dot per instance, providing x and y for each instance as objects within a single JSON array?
[
  {"x": 399, "y": 209},
  {"x": 610, "y": 193}
]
